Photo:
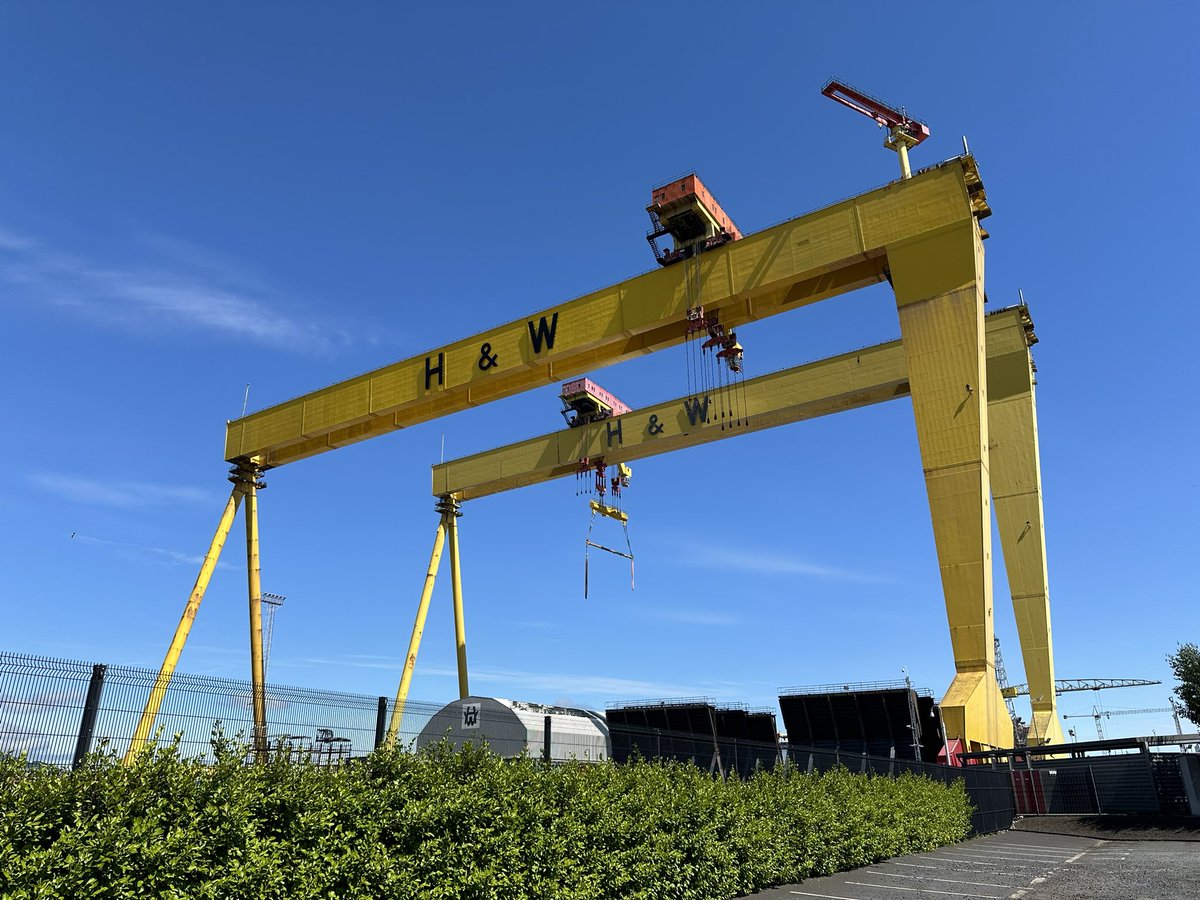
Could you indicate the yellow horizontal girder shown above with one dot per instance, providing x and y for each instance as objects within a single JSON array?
[
  {"x": 828, "y": 252},
  {"x": 851, "y": 380}
]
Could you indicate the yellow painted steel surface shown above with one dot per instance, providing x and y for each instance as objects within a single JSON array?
[
  {"x": 938, "y": 280},
  {"x": 146, "y": 723},
  {"x": 859, "y": 378},
  {"x": 258, "y": 686},
  {"x": 958, "y": 488},
  {"x": 414, "y": 642},
  {"x": 1017, "y": 493},
  {"x": 836, "y": 249},
  {"x": 460, "y": 628},
  {"x": 921, "y": 232}
]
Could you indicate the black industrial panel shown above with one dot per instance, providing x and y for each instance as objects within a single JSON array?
[{"x": 883, "y": 721}]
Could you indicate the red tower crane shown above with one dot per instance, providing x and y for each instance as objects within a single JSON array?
[{"x": 903, "y": 130}]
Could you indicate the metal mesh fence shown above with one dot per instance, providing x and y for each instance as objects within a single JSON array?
[
  {"x": 41, "y": 705},
  {"x": 331, "y": 725},
  {"x": 57, "y": 710}
]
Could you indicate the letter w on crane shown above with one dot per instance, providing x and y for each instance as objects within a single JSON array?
[
  {"x": 697, "y": 411},
  {"x": 543, "y": 333}
]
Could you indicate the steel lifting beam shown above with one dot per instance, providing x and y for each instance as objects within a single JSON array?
[
  {"x": 822, "y": 254},
  {"x": 848, "y": 381}
]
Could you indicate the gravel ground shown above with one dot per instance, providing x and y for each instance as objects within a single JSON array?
[{"x": 1116, "y": 828}]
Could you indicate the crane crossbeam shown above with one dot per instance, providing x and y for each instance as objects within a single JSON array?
[
  {"x": 851, "y": 380},
  {"x": 834, "y": 250}
]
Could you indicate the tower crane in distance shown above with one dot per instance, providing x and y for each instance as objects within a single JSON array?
[
  {"x": 1099, "y": 714},
  {"x": 1067, "y": 685},
  {"x": 1061, "y": 686},
  {"x": 903, "y": 130}
]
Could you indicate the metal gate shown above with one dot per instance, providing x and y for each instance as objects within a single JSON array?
[{"x": 1049, "y": 792}]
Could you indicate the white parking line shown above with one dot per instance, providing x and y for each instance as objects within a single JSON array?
[
  {"x": 895, "y": 887},
  {"x": 951, "y": 870},
  {"x": 1028, "y": 854},
  {"x": 1038, "y": 847},
  {"x": 826, "y": 896},
  {"x": 1024, "y": 861},
  {"x": 916, "y": 865},
  {"x": 947, "y": 880},
  {"x": 973, "y": 862},
  {"x": 985, "y": 861}
]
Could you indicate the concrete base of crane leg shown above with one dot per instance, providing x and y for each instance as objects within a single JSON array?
[
  {"x": 1045, "y": 728},
  {"x": 974, "y": 711}
]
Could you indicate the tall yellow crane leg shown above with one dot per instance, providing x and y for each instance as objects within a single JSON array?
[
  {"x": 1017, "y": 493},
  {"x": 142, "y": 733},
  {"x": 938, "y": 280},
  {"x": 450, "y": 515},
  {"x": 254, "y": 584},
  {"x": 414, "y": 643}
]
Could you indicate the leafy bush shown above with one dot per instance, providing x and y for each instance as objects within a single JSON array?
[{"x": 446, "y": 824}]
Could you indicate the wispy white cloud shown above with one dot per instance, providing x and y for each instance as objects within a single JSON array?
[
  {"x": 142, "y": 553},
  {"x": 767, "y": 562},
  {"x": 603, "y": 686},
  {"x": 120, "y": 494},
  {"x": 178, "y": 287},
  {"x": 587, "y": 685}
]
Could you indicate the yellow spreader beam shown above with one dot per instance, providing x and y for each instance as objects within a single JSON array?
[
  {"x": 848, "y": 381},
  {"x": 822, "y": 254}
]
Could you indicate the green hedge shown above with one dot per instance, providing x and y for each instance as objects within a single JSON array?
[{"x": 442, "y": 824}]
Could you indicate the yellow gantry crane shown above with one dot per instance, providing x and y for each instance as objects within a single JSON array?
[{"x": 971, "y": 388}]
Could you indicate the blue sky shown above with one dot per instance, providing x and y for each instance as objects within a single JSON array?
[{"x": 193, "y": 200}]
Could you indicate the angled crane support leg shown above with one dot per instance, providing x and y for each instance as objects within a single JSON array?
[
  {"x": 142, "y": 733},
  {"x": 414, "y": 643},
  {"x": 254, "y": 585},
  {"x": 1017, "y": 495},
  {"x": 938, "y": 279},
  {"x": 450, "y": 514}
]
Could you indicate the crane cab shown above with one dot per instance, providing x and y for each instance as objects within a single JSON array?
[
  {"x": 585, "y": 401},
  {"x": 686, "y": 211}
]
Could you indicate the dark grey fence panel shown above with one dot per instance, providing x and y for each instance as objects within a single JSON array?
[
  {"x": 41, "y": 706},
  {"x": 1123, "y": 783},
  {"x": 57, "y": 710}
]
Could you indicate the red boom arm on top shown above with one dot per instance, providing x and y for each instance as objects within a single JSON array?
[{"x": 876, "y": 109}]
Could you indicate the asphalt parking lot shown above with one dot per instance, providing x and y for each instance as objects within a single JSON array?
[{"x": 1021, "y": 866}]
